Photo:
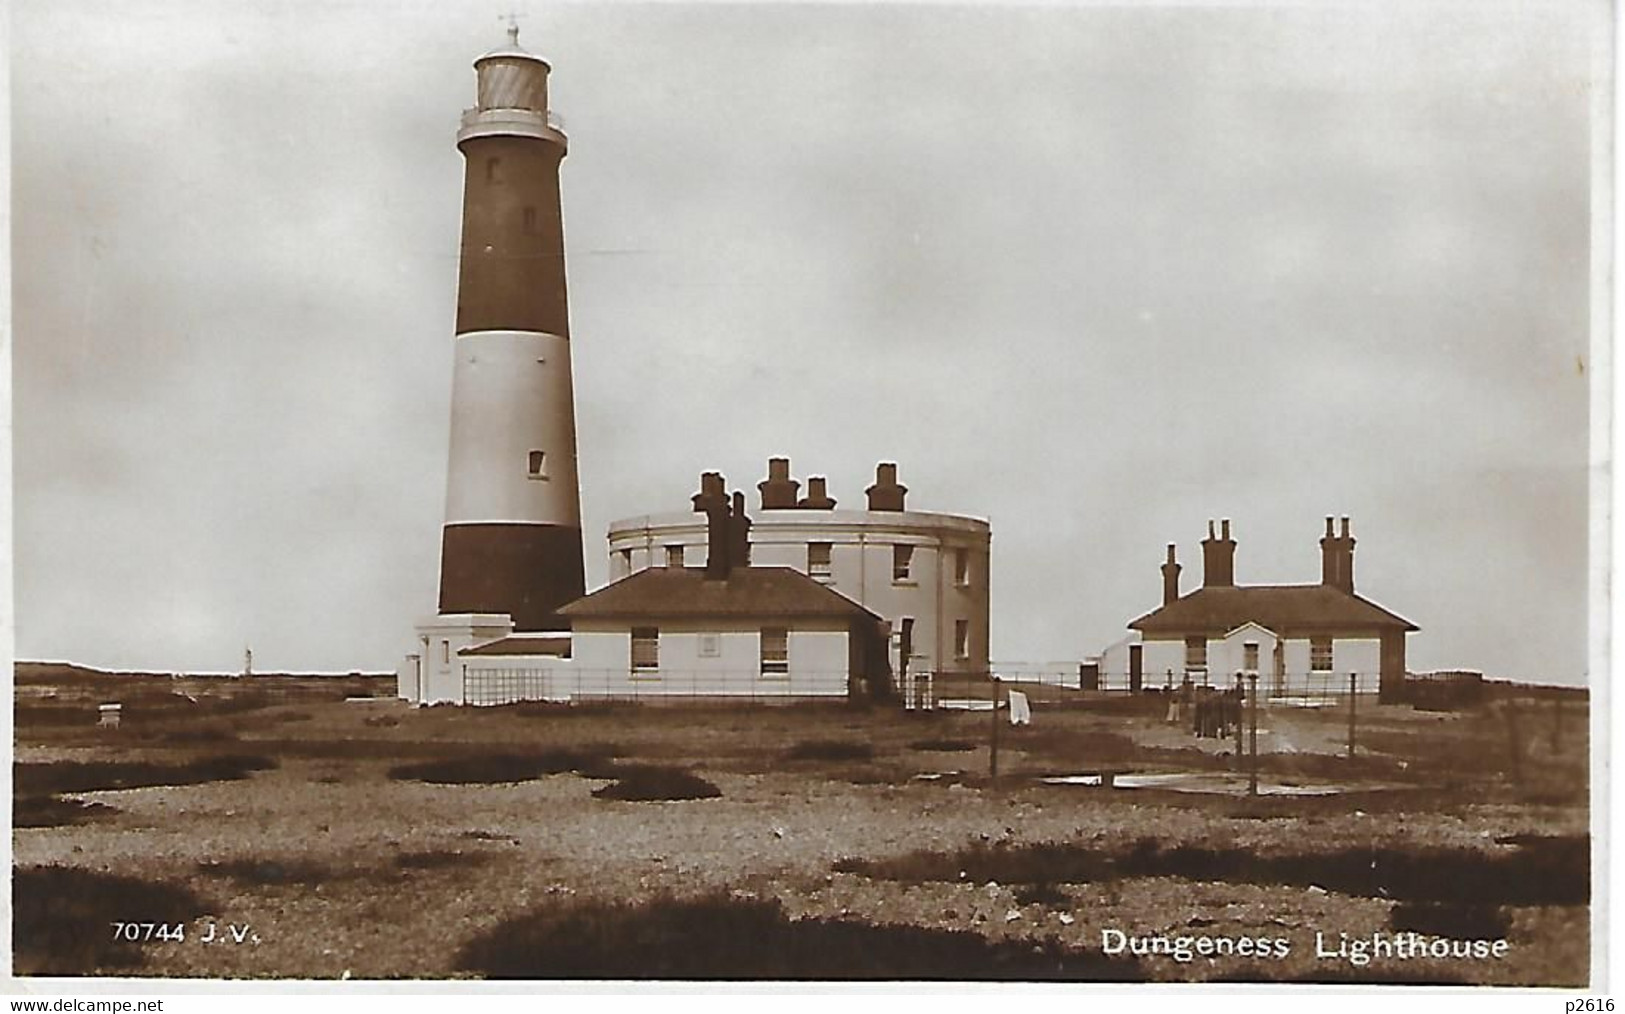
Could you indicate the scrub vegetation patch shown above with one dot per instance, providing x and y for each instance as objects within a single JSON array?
[
  {"x": 62, "y": 919},
  {"x": 718, "y": 936},
  {"x": 1547, "y": 871}
]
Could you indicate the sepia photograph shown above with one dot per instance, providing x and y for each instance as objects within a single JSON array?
[{"x": 810, "y": 492}]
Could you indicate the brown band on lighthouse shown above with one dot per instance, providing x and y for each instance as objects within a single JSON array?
[
  {"x": 511, "y": 274},
  {"x": 528, "y": 571}
]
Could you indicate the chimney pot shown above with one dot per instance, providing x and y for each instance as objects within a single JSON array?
[
  {"x": 778, "y": 490},
  {"x": 1329, "y": 532},
  {"x": 711, "y": 487},
  {"x": 886, "y": 494},
  {"x": 1345, "y": 532},
  {"x": 817, "y": 497},
  {"x": 1218, "y": 559},
  {"x": 738, "y": 533},
  {"x": 1224, "y": 528},
  {"x": 1170, "y": 578},
  {"x": 714, "y": 502}
]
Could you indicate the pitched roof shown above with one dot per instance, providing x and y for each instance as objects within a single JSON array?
[
  {"x": 1282, "y": 608},
  {"x": 521, "y": 645},
  {"x": 685, "y": 593}
]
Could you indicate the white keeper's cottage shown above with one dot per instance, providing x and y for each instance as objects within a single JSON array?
[{"x": 1297, "y": 638}]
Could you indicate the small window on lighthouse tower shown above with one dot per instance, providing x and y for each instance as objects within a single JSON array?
[
  {"x": 530, "y": 221},
  {"x": 492, "y": 167},
  {"x": 538, "y": 465}
]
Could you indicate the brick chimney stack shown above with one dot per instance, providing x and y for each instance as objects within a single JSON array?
[
  {"x": 1170, "y": 577},
  {"x": 817, "y": 498},
  {"x": 1219, "y": 557},
  {"x": 886, "y": 494},
  {"x": 1337, "y": 557},
  {"x": 739, "y": 533},
  {"x": 712, "y": 501},
  {"x": 778, "y": 489}
]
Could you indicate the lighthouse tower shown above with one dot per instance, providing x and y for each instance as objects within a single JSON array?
[{"x": 512, "y": 538}]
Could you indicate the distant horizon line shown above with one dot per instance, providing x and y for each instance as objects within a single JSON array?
[{"x": 1511, "y": 681}]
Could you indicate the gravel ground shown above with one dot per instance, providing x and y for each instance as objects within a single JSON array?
[{"x": 774, "y": 833}]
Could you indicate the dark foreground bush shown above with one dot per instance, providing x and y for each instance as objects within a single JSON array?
[
  {"x": 53, "y": 811},
  {"x": 944, "y": 745},
  {"x": 720, "y": 937},
  {"x": 1459, "y": 922},
  {"x": 1545, "y": 871},
  {"x": 90, "y": 776},
  {"x": 40, "y": 716},
  {"x": 272, "y": 872},
  {"x": 829, "y": 750},
  {"x": 499, "y": 768},
  {"x": 62, "y": 919},
  {"x": 1042, "y": 893},
  {"x": 648, "y": 783},
  {"x": 440, "y": 859},
  {"x": 201, "y": 732}
]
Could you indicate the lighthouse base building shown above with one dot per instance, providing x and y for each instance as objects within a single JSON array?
[{"x": 800, "y": 601}]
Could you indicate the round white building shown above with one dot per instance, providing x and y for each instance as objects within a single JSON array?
[{"x": 924, "y": 572}]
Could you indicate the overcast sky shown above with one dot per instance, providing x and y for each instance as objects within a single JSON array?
[{"x": 1096, "y": 274}]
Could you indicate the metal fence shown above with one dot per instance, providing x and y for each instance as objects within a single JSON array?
[
  {"x": 1044, "y": 685},
  {"x": 571, "y": 685},
  {"x": 1288, "y": 686},
  {"x": 1052, "y": 686}
]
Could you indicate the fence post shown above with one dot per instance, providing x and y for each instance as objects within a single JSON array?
[
  {"x": 1241, "y": 687},
  {"x": 993, "y": 741},
  {"x": 1353, "y": 692},
  {"x": 1511, "y": 705},
  {"x": 1252, "y": 780}
]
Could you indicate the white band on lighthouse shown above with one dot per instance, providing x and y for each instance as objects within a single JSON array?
[{"x": 513, "y": 441}]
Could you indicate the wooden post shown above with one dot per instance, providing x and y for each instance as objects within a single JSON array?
[
  {"x": 1252, "y": 780},
  {"x": 1514, "y": 740},
  {"x": 1353, "y": 690},
  {"x": 1239, "y": 716},
  {"x": 993, "y": 748}
]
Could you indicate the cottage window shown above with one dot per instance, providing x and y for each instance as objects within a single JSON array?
[
  {"x": 1195, "y": 653},
  {"x": 1320, "y": 654},
  {"x": 674, "y": 557},
  {"x": 645, "y": 650},
  {"x": 775, "y": 651},
  {"x": 902, "y": 561},
  {"x": 1249, "y": 656},
  {"x": 961, "y": 639},
  {"x": 538, "y": 464},
  {"x": 818, "y": 555},
  {"x": 962, "y": 567}
]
